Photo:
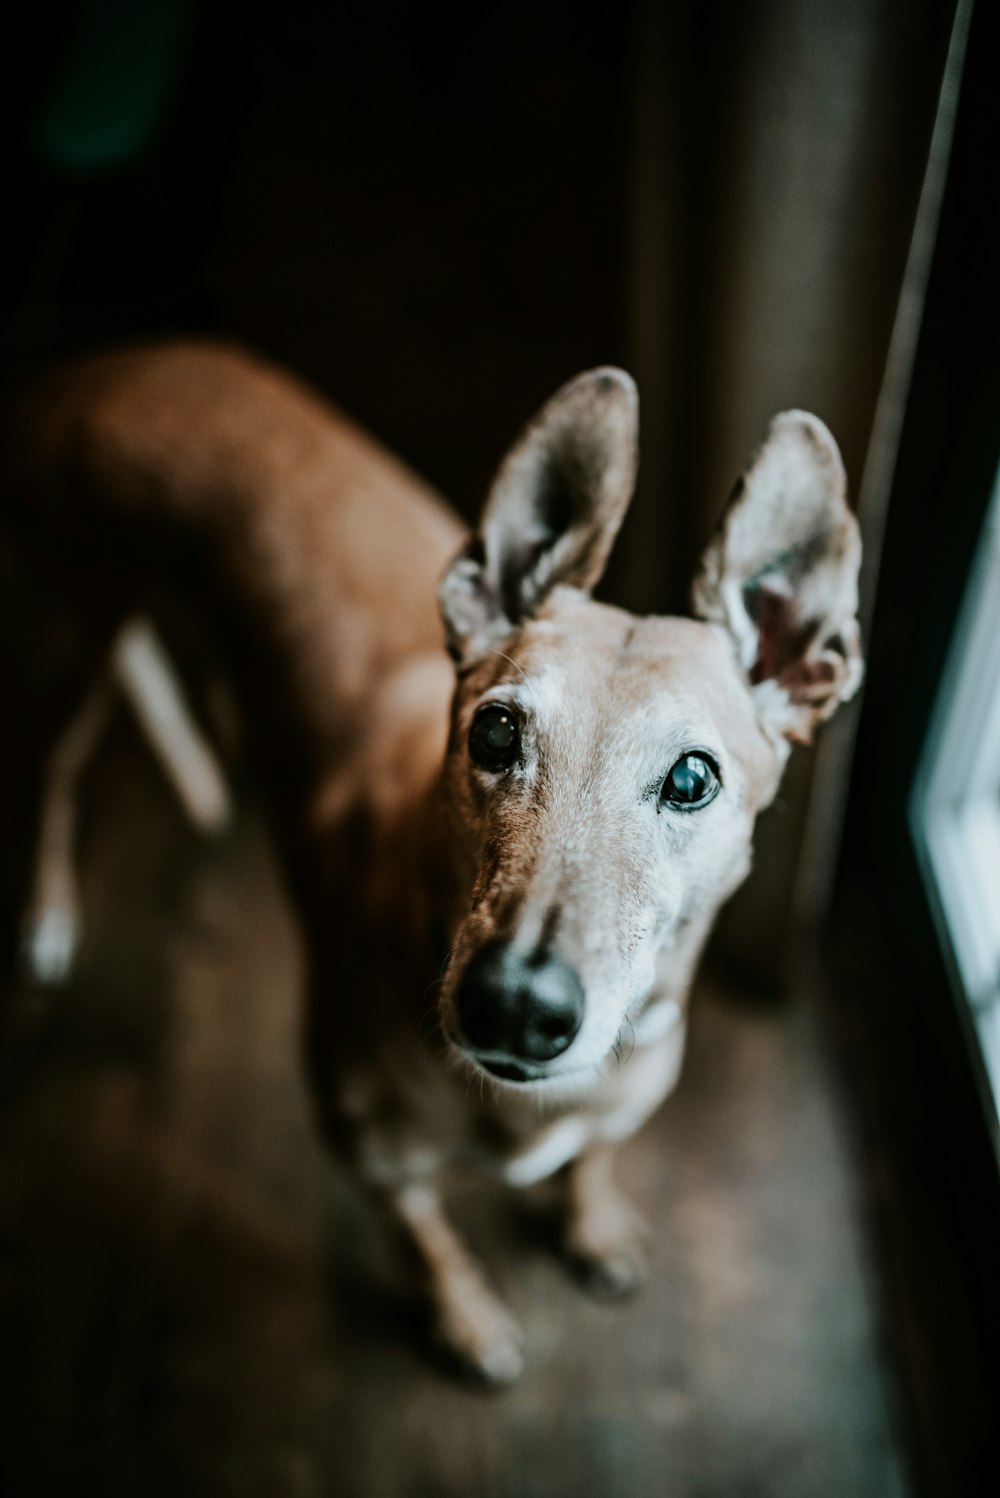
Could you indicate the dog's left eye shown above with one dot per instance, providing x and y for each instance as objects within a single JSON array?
[
  {"x": 692, "y": 783},
  {"x": 493, "y": 738}
]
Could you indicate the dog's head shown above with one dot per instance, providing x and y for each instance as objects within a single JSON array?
[{"x": 606, "y": 769}]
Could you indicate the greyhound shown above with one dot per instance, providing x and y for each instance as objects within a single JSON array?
[{"x": 506, "y": 839}]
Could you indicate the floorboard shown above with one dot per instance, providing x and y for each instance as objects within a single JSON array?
[{"x": 187, "y": 1299}]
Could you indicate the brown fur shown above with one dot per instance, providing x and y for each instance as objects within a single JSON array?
[{"x": 405, "y": 858}]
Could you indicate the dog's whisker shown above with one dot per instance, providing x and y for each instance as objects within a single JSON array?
[
  {"x": 631, "y": 1041},
  {"x": 445, "y": 962},
  {"x": 429, "y": 1022},
  {"x": 512, "y": 662}
]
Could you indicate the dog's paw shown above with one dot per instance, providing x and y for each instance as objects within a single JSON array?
[
  {"x": 612, "y": 1276},
  {"x": 611, "y": 1254},
  {"x": 49, "y": 945},
  {"x": 486, "y": 1346}
]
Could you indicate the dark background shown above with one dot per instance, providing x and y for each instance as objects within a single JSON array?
[{"x": 438, "y": 218}]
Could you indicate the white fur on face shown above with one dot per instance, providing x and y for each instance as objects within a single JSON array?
[{"x": 576, "y": 849}]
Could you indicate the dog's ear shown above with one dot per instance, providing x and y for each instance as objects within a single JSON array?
[
  {"x": 782, "y": 576},
  {"x": 552, "y": 513}
]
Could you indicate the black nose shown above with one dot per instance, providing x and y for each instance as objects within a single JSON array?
[{"x": 527, "y": 1008}]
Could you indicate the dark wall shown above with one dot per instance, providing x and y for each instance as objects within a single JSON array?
[{"x": 421, "y": 214}]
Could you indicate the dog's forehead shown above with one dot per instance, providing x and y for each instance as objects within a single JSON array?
[{"x": 581, "y": 657}]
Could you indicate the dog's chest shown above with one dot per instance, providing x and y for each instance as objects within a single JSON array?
[
  {"x": 619, "y": 1106},
  {"x": 411, "y": 1123}
]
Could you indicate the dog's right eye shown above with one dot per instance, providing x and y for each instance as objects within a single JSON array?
[{"x": 493, "y": 738}]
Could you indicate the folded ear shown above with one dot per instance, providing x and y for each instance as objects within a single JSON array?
[
  {"x": 552, "y": 513},
  {"x": 782, "y": 576}
]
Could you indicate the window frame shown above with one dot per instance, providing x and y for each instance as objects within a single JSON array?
[
  {"x": 929, "y": 1164},
  {"x": 954, "y": 814}
]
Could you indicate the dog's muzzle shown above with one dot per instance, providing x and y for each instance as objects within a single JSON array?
[{"x": 518, "y": 1012}]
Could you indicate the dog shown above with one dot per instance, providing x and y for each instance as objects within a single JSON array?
[{"x": 509, "y": 813}]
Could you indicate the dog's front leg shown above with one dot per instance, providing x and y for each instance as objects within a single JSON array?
[
  {"x": 470, "y": 1320},
  {"x": 606, "y": 1237}
]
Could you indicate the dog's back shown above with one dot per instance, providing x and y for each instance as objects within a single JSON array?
[{"x": 203, "y": 450}]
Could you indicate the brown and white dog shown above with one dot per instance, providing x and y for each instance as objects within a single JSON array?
[{"x": 505, "y": 863}]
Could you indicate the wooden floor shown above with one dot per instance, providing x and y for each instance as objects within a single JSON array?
[{"x": 186, "y": 1300}]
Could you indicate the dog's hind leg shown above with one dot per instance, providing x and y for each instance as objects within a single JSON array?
[
  {"x": 51, "y": 927},
  {"x": 139, "y": 667},
  {"x": 470, "y": 1320},
  {"x": 149, "y": 682}
]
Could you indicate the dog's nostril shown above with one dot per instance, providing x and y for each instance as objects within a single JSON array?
[
  {"x": 507, "y": 1005},
  {"x": 482, "y": 1019},
  {"x": 557, "y": 1026}
]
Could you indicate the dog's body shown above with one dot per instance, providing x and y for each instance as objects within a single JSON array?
[{"x": 504, "y": 885}]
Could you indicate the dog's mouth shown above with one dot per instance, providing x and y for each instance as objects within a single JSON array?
[
  {"x": 510, "y": 1071},
  {"x": 521, "y": 1076},
  {"x": 503, "y": 1068}
]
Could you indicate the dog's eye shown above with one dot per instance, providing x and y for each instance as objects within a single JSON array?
[
  {"x": 692, "y": 783},
  {"x": 493, "y": 738}
]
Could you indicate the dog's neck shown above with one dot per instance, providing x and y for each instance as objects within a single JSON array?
[{"x": 381, "y": 822}]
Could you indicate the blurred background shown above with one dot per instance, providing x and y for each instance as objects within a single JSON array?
[{"x": 438, "y": 218}]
